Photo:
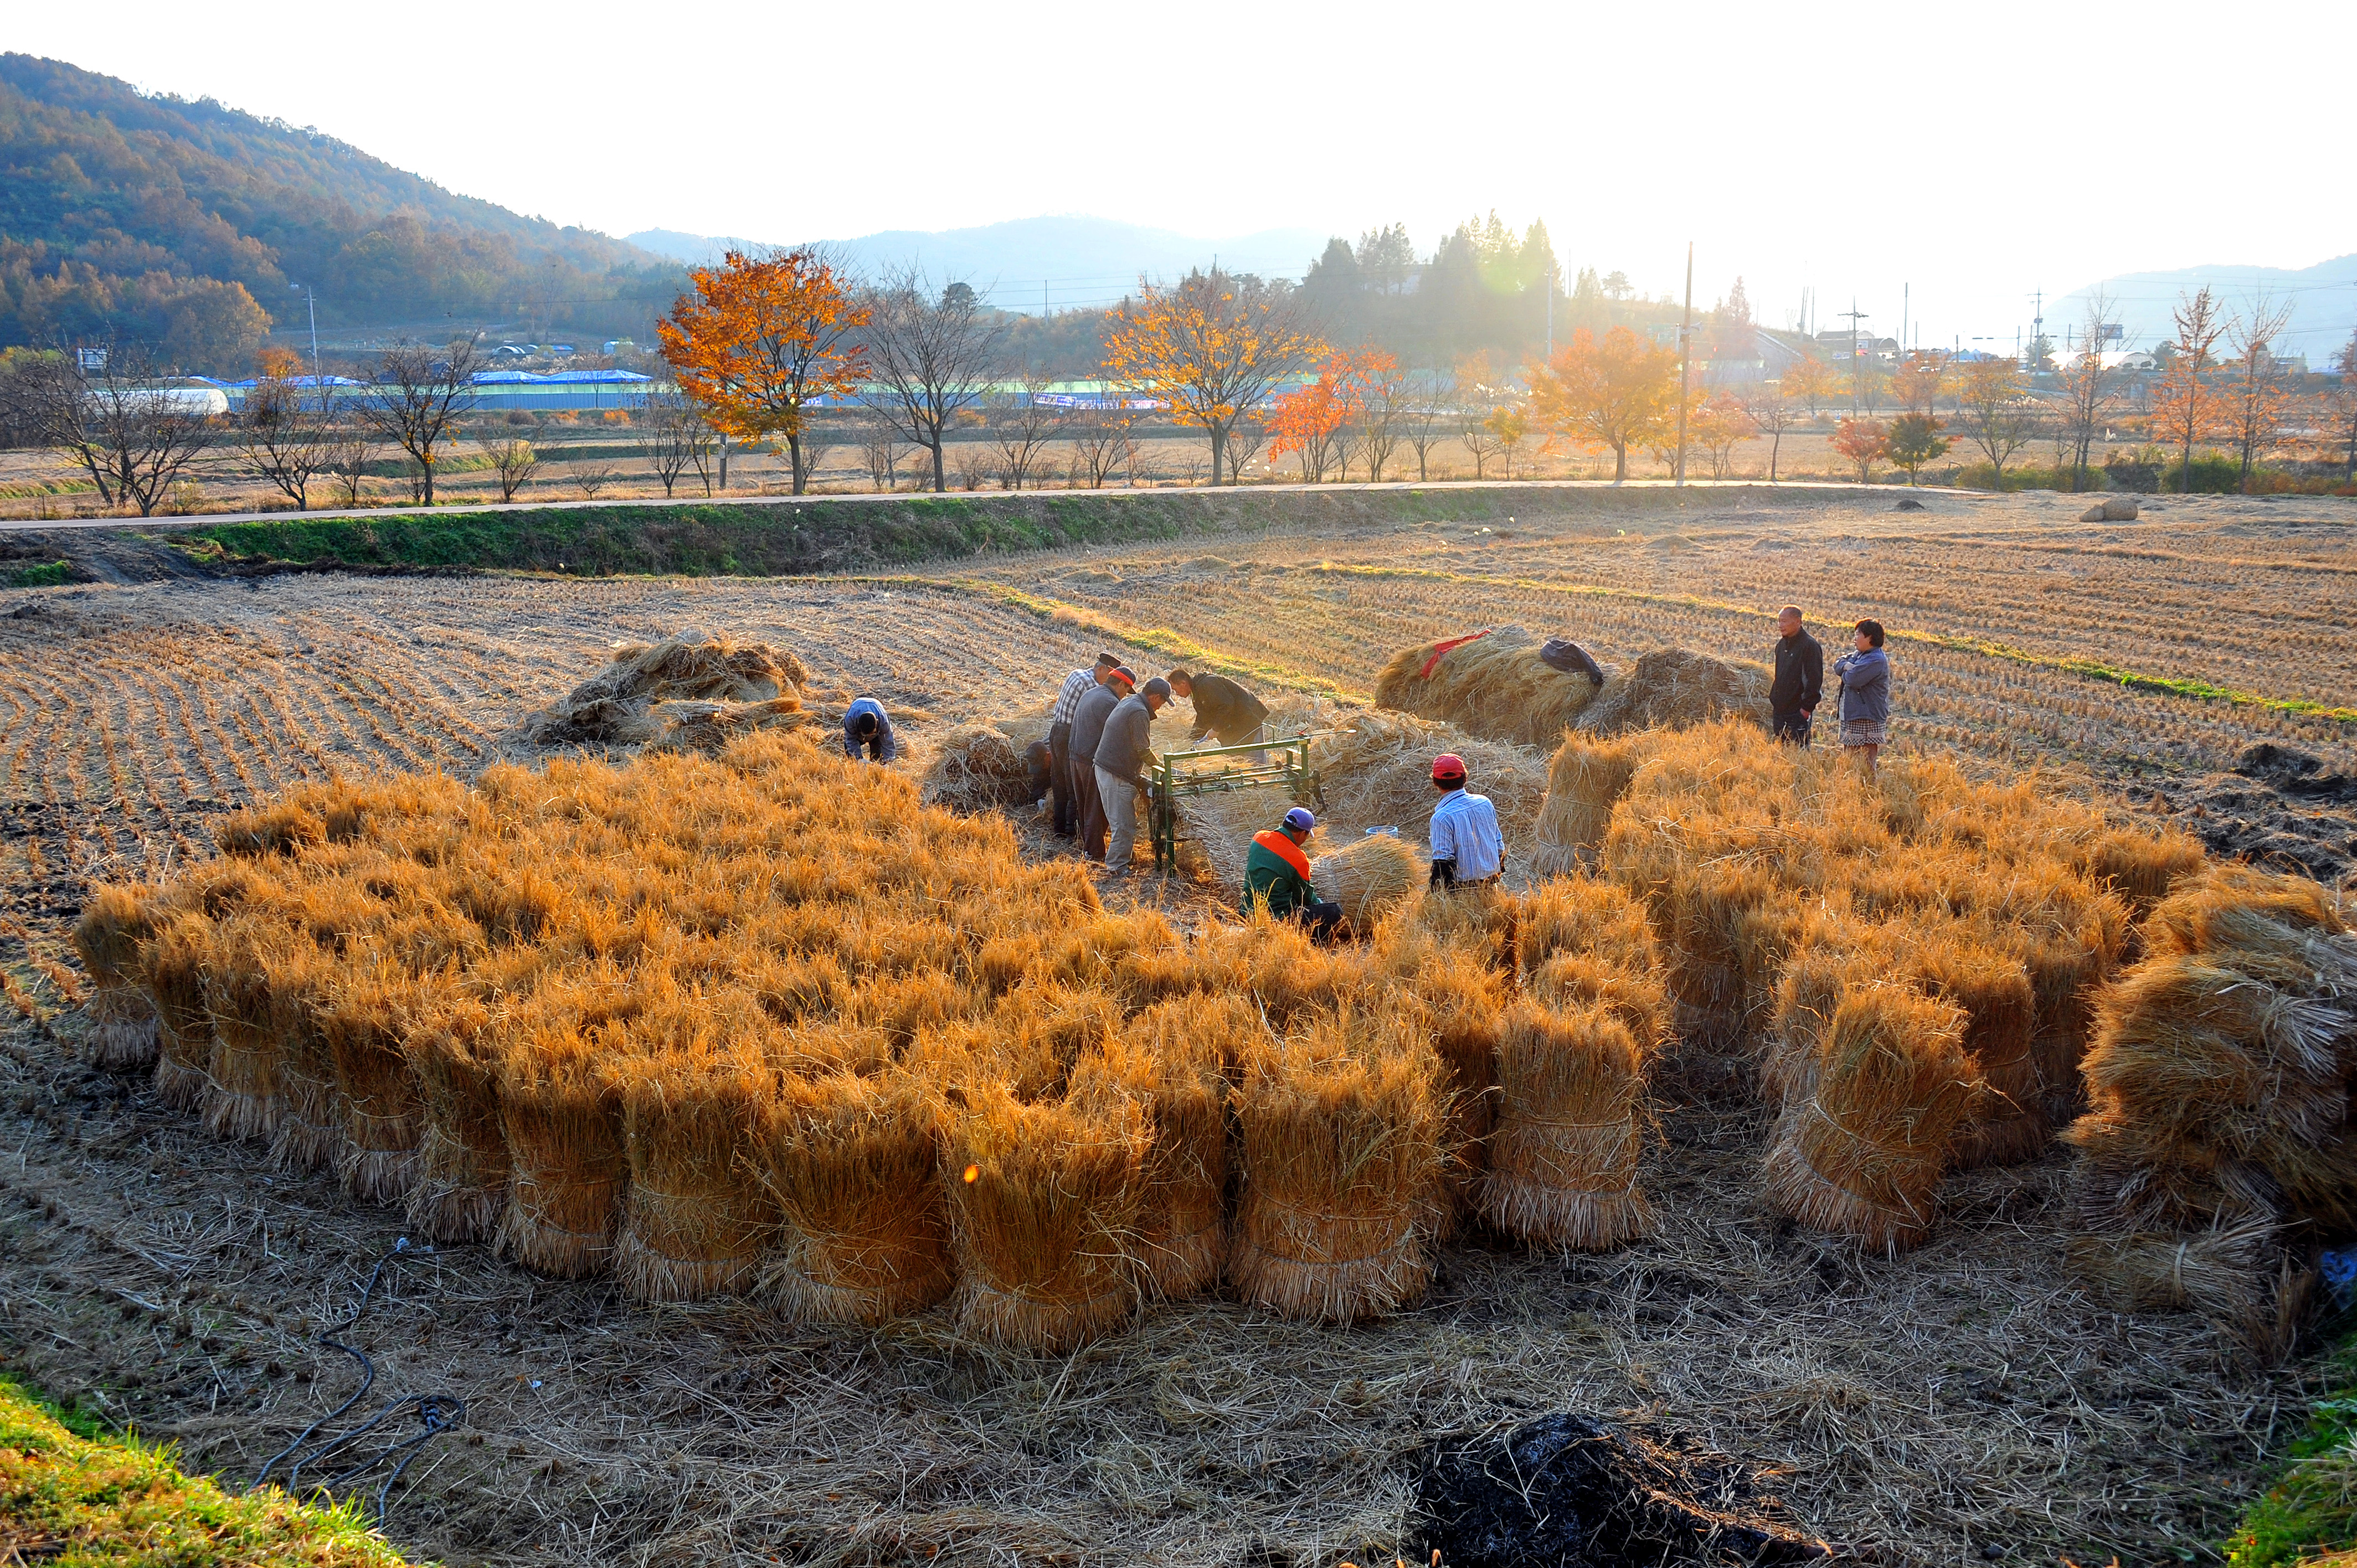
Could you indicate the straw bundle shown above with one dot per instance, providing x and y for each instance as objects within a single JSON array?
[
  {"x": 975, "y": 767},
  {"x": 1378, "y": 772},
  {"x": 171, "y": 971},
  {"x": 1862, "y": 1155},
  {"x": 1342, "y": 1148},
  {"x": 560, "y": 1112},
  {"x": 1368, "y": 876},
  {"x": 107, "y": 938},
  {"x": 1576, "y": 914},
  {"x": 1563, "y": 1159},
  {"x": 1584, "y": 781},
  {"x": 693, "y": 1224},
  {"x": 1970, "y": 969},
  {"x": 283, "y": 827},
  {"x": 1673, "y": 688},
  {"x": 310, "y": 1134},
  {"x": 709, "y": 727},
  {"x": 1043, "y": 1204},
  {"x": 365, "y": 1018},
  {"x": 616, "y": 706},
  {"x": 1171, "y": 1063},
  {"x": 852, "y": 1165},
  {"x": 1492, "y": 683},
  {"x": 460, "y": 1185},
  {"x": 1463, "y": 1004},
  {"x": 244, "y": 1099}
]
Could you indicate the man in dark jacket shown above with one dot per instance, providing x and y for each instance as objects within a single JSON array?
[
  {"x": 1800, "y": 679},
  {"x": 1089, "y": 717},
  {"x": 867, "y": 727},
  {"x": 1222, "y": 708},
  {"x": 1122, "y": 754}
]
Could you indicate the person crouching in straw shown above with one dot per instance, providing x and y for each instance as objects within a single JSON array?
[{"x": 1277, "y": 876}]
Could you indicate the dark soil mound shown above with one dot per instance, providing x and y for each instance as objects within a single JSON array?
[
  {"x": 1564, "y": 1491},
  {"x": 2278, "y": 808}
]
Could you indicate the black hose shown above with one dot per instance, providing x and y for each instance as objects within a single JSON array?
[{"x": 437, "y": 1413}]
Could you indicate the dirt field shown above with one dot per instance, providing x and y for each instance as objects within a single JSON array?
[{"x": 1963, "y": 1404}]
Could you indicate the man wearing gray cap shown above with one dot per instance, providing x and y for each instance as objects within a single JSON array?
[{"x": 1123, "y": 754}]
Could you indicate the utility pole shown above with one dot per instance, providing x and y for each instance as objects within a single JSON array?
[
  {"x": 2036, "y": 326},
  {"x": 1685, "y": 325},
  {"x": 1854, "y": 316}
]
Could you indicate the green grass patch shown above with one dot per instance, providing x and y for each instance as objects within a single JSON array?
[
  {"x": 73, "y": 1496},
  {"x": 2312, "y": 1508},
  {"x": 42, "y": 574}
]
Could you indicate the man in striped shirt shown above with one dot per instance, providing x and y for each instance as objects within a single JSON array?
[
  {"x": 1468, "y": 849},
  {"x": 1061, "y": 788}
]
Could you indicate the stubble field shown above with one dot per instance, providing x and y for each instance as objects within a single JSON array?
[{"x": 1965, "y": 1397}]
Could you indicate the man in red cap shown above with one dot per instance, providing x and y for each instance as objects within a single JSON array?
[
  {"x": 1468, "y": 849},
  {"x": 1089, "y": 717}
]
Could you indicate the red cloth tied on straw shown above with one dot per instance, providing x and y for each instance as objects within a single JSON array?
[{"x": 1440, "y": 647}]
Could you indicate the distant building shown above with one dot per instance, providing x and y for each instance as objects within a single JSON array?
[{"x": 2114, "y": 359}]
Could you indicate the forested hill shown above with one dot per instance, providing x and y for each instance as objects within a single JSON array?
[{"x": 183, "y": 225}]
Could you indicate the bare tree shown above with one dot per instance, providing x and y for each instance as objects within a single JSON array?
[
  {"x": 287, "y": 438},
  {"x": 514, "y": 460},
  {"x": 676, "y": 438},
  {"x": 2340, "y": 408},
  {"x": 1246, "y": 436},
  {"x": 105, "y": 407},
  {"x": 1771, "y": 413},
  {"x": 591, "y": 475},
  {"x": 420, "y": 396},
  {"x": 1022, "y": 423},
  {"x": 1382, "y": 416},
  {"x": 2086, "y": 387},
  {"x": 2256, "y": 416},
  {"x": 1475, "y": 426},
  {"x": 351, "y": 450},
  {"x": 1424, "y": 420},
  {"x": 2184, "y": 408},
  {"x": 930, "y": 357},
  {"x": 818, "y": 438},
  {"x": 973, "y": 465},
  {"x": 1102, "y": 443},
  {"x": 881, "y": 439}
]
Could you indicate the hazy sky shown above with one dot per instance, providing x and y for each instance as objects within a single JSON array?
[{"x": 1974, "y": 152}]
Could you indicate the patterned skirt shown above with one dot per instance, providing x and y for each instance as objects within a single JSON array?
[{"x": 1866, "y": 732}]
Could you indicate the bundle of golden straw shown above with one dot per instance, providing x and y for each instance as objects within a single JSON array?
[
  {"x": 2219, "y": 1083},
  {"x": 1492, "y": 683},
  {"x": 1368, "y": 876},
  {"x": 107, "y": 939},
  {"x": 1673, "y": 688},
  {"x": 460, "y": 1186},
  {"x": 618, "y": 705},
  {"x": 560, "y": 1111},
  {"x": 1342, "y": 1150},
  {"x": 1170, "y": 1061},
  {"x": 692, "y": 1224},
  {"x": 171, "y": 971},
  {"x": 975, "y": 767},
  {"x": 310, "y": 1135},
  {"x": 1584, "y": 781},
  {"x": 852, "y": 1164},
  {"x": 365, "y": 1016},
  {"x": 1863, "y": 1153},
  {"x": 1043, "y": 1204},
  {"x": 1571, "y": 1116},
  {"x": 243, "y": 1099}
]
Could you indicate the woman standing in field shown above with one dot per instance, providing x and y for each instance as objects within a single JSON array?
[{"x": 1864, "y": 678}]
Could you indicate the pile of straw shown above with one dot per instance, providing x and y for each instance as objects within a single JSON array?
[
  {"x": 460, "y": 1183},
  {"x": 1584, "y": 781},
  {"x": 693, "y": 692},
  {"x": 1173, "y": 1065},
  {"x": 851, "y": 1164},
  {"x": 1862, "y": 1152},
  {"x": 1492, "y": 683},
  {"x": 1673, "y": 688},
  {"x": 975, "y": 767},
  {"x": 1342, "y": 1131},
  {"x": 1368, "y": 876},
  {"x": 1563, "y": 1157},
  {"x": 107, "y": 939},
  {"x": 2219, "y": 1139}
]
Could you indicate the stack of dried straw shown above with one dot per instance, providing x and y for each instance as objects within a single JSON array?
[{"x": 1490, "y": 683}]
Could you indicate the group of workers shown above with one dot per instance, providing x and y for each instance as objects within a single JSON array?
[{"x": 1093, "y": 766}]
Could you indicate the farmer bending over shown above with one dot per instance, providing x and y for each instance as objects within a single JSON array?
[
  {"x": 1276, "y": 874},
  {"x": 1467, "y": 850},
  {"x": 1222, "y": 708},
  {"x": 865, "y": 725}
]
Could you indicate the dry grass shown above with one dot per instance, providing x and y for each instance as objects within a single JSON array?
[{"x": 1490, "y": 683}]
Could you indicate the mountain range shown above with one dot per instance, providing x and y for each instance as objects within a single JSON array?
[{"x": 2323, "y": 300}]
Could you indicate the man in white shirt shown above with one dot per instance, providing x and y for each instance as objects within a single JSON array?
[
  {"x": 1468, "y": 849},
  {"x": 1059, "y": 742}
]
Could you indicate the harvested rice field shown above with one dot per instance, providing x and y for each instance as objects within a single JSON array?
[{"x": 1740, "y": 1141}]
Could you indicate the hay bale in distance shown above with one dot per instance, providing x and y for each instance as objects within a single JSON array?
[
  {"x": 851, "y": 1164},
  {"x": 1675, "y": 688},
  {"x": 1342, "y": 1148},
  {"x": 734, "y": 688},
  {"x": 1492, "y": 684},
  {"x": 1570, "y": 1126}
]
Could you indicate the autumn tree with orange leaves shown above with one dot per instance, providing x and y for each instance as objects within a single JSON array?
[
  {"x": 1211, "y": 347},
  {"x": 1607, "y": 392},
  {"x": 1353, "y": 405},
  {"x": 761, "y": 341}
]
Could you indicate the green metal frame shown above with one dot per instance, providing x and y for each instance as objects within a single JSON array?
[{"x": 1180, "y": 775}]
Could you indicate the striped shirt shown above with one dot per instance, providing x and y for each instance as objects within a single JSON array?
[
  {"x": 1076, "y": 686},
  {"x": 1465, "y": 828}
]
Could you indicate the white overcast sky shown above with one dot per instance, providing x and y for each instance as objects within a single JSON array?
[{"x": 1976, "y": 153}]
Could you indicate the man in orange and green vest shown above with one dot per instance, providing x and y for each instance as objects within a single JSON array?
[{"x": 1276, "y": 873}]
